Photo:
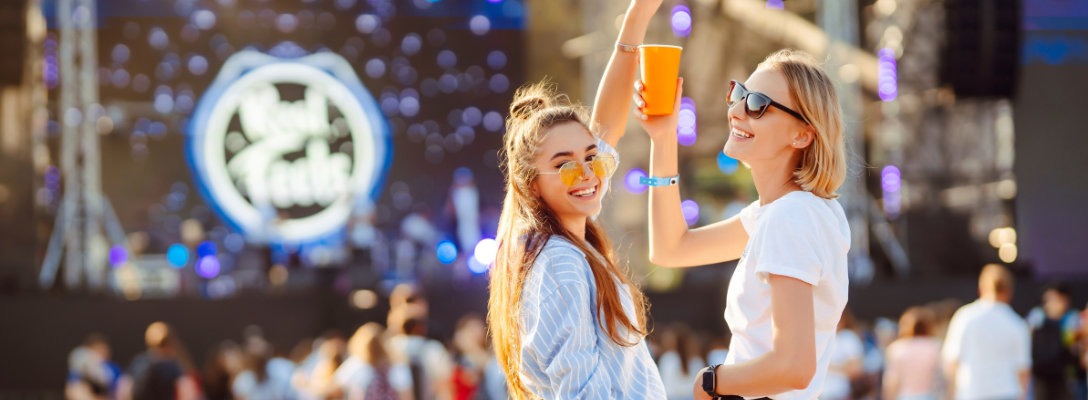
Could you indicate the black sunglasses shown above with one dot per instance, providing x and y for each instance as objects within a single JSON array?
[{"x": 757, "y": 103}]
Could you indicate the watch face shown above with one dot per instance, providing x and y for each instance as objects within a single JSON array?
[{"x": 708, "y": 380}]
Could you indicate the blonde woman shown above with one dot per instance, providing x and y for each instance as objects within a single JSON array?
[
  {"x": 790, "y": 286},
  {"x": 566, "y": 322}
]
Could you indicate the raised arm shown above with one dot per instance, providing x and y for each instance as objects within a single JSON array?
[
  {"x": 671, "y": 243},
  {"x": 613, "y": 96}
]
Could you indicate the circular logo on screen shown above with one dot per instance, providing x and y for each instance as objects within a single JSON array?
[{"x": 283, "y": 148}]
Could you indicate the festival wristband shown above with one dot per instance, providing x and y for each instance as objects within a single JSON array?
[
  {"x": 657, "y": 182},
  {"x": 626, "y": 48}
]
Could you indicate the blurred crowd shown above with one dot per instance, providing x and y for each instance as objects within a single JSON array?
[{"x": 941, "y": 350}]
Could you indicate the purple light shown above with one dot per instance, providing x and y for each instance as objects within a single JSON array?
[
  {"x": 775, "y": 5},
  {"x": 691, "y": 211},
  {"x": 118, "y": 256},
  {"x": 681, "y": 21},
  {"x": 888, "y": 86},
  {"x": 891, "y": 182},
  {"x": 685, "y": 129},
  {"x": 630, "y": 181},
  {"x": 207, "y": 267}
]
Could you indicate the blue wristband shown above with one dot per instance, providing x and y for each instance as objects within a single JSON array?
[{"x": 656, "y": 182}]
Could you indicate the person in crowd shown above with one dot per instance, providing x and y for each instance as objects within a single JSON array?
[
  {"x": 91, "y": 374},
  {"x": 987, "y": 353},
  {"x": 164, "y": 371},
  {"x": 428, "y": 360},
  {"x": 912, "y": 362},
  {"x": 222, "y": 365},
  {"x": 719, "y": 349},
  {"x": 370, "y": 372},
  {"x": 314, "y": 379},
  {"x": 281, "y": 367},
  {"x": 470, "y": 358},
  {"x": 255, "y": 381},
  {"x": 1054, "y": 327},
  {"x": 567, "y": 321},
  {"x": 679, "y": 362},
  {"x": 790, "y": 285},
  {"x": 847, "y": 352}
]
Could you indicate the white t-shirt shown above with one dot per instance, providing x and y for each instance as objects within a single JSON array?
[
  {"x": 801, "y": 236},
  {"x": 991, "y": 345},
  {"x": 355, "y": 375}
]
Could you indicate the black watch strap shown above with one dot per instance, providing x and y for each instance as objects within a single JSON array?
[{"x": 710, "y": 381}]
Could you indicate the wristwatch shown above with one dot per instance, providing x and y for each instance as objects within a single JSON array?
[
  {"x": 655, "y": 181},
  {"x": 710, "y": 381},
  {"x": 626, "y": 48}
]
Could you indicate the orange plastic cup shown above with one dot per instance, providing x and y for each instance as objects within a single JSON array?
[{"x": 660, "y": 66}]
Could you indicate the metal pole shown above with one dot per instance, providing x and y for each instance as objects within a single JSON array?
[
  {"x": 70, "y": 115},
  {"x": 94, "y": 262}
]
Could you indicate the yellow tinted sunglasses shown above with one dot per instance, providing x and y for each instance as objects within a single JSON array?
[{"x": 571, "y": 173}]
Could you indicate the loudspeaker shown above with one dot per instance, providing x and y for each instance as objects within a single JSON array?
[
  {"x": 981, "y": 54},
  {"x": 12, "y": 41}
]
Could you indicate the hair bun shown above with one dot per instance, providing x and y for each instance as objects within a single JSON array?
[{"x": 526, "y": 105}]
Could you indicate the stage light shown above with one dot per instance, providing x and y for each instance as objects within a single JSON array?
[
  {"x": 728, "y": 165},
  {"x": 1007, "y": 252},
  {"x": 204, "y": 19},
  {"x": 206, "y": 248},
  {"x": 493, "y": 121},
  {"x": 496, "y": 59},
  {"x": 446, "y": 252},
  {"x": 118, "y": 256},
  {"x": 364, "y": 299},
  {"x": 499, "y": 83},
  {"x": 207, "y": 267},
  {"x": 446, "y": 59},
  {"x": 479, "y": 25},
  {"x": 120, "y": 53},
  {"x": 367, "y": 23},
  {"x": 485, "y": 252},
  {"x": 471, "y": 116},
  {"x": 177, "y": 255},
  {"x": 886, "y": 73},
  {"x": 375, "y": 68},
  {"x": 681, "y": 20},
  {"x": 630, "y": 181},
  {"x": 690, "y": 209}
]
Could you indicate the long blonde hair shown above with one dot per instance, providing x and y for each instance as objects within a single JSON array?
[
  {"x": 823, "y": 163},
  {"x": 527, "y": 224}
]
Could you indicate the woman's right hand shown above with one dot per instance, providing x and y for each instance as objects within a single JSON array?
[{"x": 659, "y": 127}]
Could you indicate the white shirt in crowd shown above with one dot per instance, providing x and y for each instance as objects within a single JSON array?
[
  {"x": 677, "y": 383},
  {"x": 355, "y": 375},
  {"x": 847, "y": 347},
  {"x": 991, "y": 345},
  {"x": 801, "y": 236}
]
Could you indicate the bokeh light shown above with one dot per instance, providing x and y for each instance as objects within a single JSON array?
[
  {"x": 446, "y": 252},
  {"x": 631, "y": 181},
  {"x": 728, "y": 165},
  {"x": 364, "y": 299},
  {"x": 177, "y": 255},
  {"x": 485, "y": 252},
  {"x": 118, "y": 256},
  {"x": 496, "y": 59},
  {"x": 891, "y": 183},
  {"x": 479, "y": 24},
  {"x": 681, "y": 20},
  {"x": 691, "y": 211},
  {"x": 886, "y": 74},
  {"x": 686, "y": 124},
  {"x": 493, "y": 121},
  {"x": 776, "y": 5},
  {"x": 207, "y": 267},
  {"x": 206, "y": 248},
  {"x": 367, "y": 23}
]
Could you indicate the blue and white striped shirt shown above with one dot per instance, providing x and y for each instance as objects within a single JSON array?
[{"x": 565, "y": 354}]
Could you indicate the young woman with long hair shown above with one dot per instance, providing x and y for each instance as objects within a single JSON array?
[
  {"x": 790, "y": 286},
  {"x": 566, "y": 321}
]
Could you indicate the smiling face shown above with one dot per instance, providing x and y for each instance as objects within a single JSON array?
[
  {"x": 777, "y": 136},
  {"x": 568, "y": 142}
]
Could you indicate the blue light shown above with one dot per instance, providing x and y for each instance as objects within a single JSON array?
[
  {"x": 207, "y": 267},
  {"x": 118, "y": 256},
  {"x": 727, "y": 164},
  {"x": 177, "y": 255},
  {"x": 207, "y": 248},
  {"x": 446, "y": 252}
]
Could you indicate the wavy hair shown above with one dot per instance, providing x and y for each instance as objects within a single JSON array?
[
  {"x": 823, "y": 163},
  {"x": 526, "y": 225}
]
